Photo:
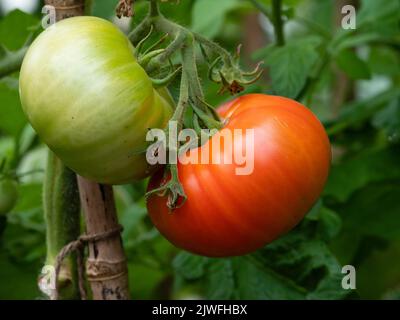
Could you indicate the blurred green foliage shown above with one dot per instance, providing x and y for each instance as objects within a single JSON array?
[{"x": 357, "y": 219}]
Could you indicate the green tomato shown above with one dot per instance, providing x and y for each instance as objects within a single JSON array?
[
  {"x": 8, "y": 195},
  {"x": 90, "y": 101}
]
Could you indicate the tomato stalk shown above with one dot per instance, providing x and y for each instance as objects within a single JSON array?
[
  {"x": 62, "y": 217},
  {"x": 173, "y": 187},
  {"x": 224, "y": 70},
  {"x": 278, "y": 22}
]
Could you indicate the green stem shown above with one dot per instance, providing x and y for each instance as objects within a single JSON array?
[
  {"x": 12, "y": 61},
  {"x": 183, "y": 101},
  {"x": 278, "y": 22},
  {"x": 154, "y": 9},
  {"x": 214, "y": 47},
  {"x": 189, "y": 64},
  {"x": 185, "y": 40},
  {"x": 175, "y": 45},
  {"x": 61, "y": 210},
  {"x": 140, "y": 31}
]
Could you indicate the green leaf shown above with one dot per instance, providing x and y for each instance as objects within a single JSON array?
[
  {"x": 374, "y": 210},
  {"x": 355, "y": 173},
  {"x": 208, "y": 15},
  {"x": 306, "y": 261},
  {"x": 384, "y": 60},
  {"x": 254, "y": 281},
  {"x": 190, "y": 266},
  {"x": 352, "y": 65},
  {"x": 32, "y": 165},
  {"x": 15, "y": 29},
  {"x": 388, "y": 119},
  {"x": 375, "y": 11},
  {"x": 21, "y": 283},
  {"x": 11, "y": 115},
  {"x": 345, "y": 40},
  {"x": 291, "y": 65},
  {"x": 330, "y": 224},
  {"x": 7, "y": 149},
  {"x": 220, "y": 277},
  {"x": 296, "y": 266},
  {"x": 357, "y": 112}
]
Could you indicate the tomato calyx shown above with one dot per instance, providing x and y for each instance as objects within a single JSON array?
[
  {"x": 153, "y": 52},
  {"x": 173, "y": 187},
  {"x": 224, "y": 69}
]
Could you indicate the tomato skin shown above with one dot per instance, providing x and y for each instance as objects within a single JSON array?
[
  {"x": 8, "y": 195},
  {"x": 90, "y": 101},
  {"x": 228, "y": 214}
]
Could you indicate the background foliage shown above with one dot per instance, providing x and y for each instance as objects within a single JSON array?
[{"x": 349, "y": 78}]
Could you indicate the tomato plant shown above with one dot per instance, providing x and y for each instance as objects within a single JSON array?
[
  {"x": 228, "y": 214},
  {"x": 8, "y": 195},
  {"x": 349, "y": 78},
  {"x": 90, "y": 101}
]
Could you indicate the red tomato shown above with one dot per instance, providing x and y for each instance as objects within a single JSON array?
[{"x": 228, "y": 214}]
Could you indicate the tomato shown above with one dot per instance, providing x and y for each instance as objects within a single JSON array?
[
  {"x": 228, "y": 214},
  {"x": 90, "y": 101},
  {"x": 8, "y": 195}
]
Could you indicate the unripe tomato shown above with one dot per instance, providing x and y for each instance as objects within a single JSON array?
[
  {"x": 8, "y": 195},
  {"x": 228, "y": 214},
  {"x": 90, "y": 101}
]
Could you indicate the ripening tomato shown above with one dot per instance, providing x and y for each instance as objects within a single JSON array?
[
  {"x": 227, "y": 214},
  {"x": 8, "y": 195},
  {"x": 90, "y": 101}
]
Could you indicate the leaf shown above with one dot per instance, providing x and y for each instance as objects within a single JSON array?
[
  {"x": 296, "y": 266},
  {"x": 208, "y": 15},
  {"x": 356, "y": 112},
  {"x": 366, "y": 168},
  {"x": 352, "y": 65},
  {"x": 388, "y": 119},
  {"x": 27, "y": 138},
  {"x": 291, "y": 65},
  {"x": 7, "y": 149},
  {"x": 329, "y": 224},
  {"x": 344, "y": 40},
  {"x": 15, "y": 29},
  {"x": 11, "y": 115},
  {"x": 190, "y": 266},
  {"x": 220, "y": 277},
  {"x": 32, "y": 166},
  {"x": 307, "y": 261},
  {"x": 374, "y": 11},
  {"x": 384, "y": 60},
  {"x": 21, "y": 283},
  {"x": 256, "y": 282},
  {"x": 374, "y": 210}
]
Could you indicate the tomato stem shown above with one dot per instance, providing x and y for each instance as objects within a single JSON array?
[
  {"x": 62, "y": 217},
  {"x": 278, "y": 22}
]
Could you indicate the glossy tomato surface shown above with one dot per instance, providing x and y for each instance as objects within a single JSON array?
[
  {"x": 90, "y": 101},
  {"x": 227, "y": 214}
]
